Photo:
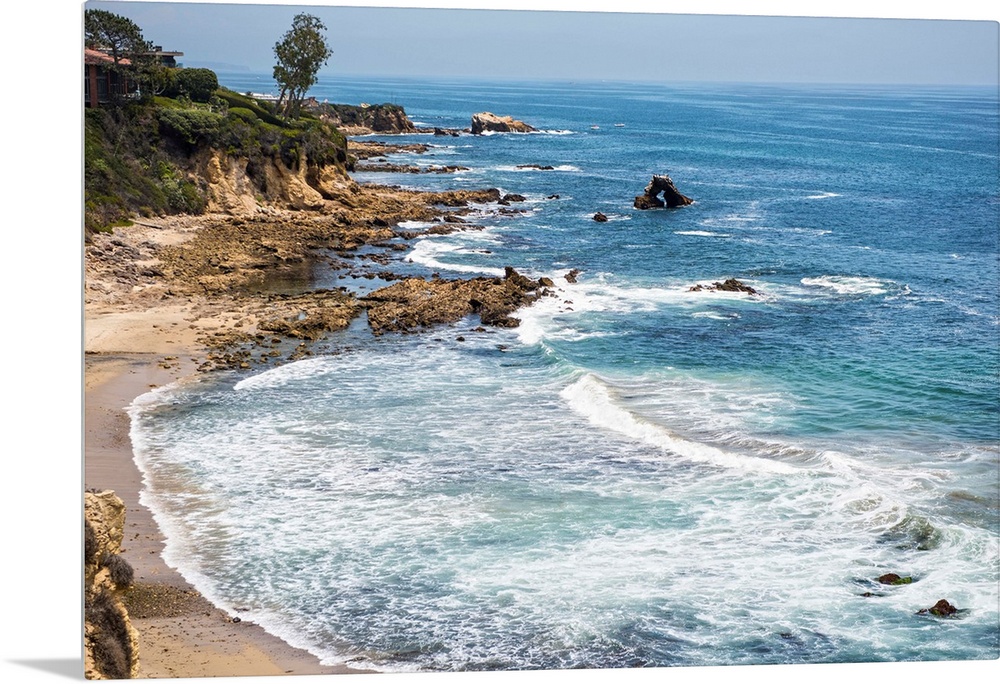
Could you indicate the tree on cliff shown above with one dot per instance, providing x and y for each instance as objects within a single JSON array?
[
  {"x": 300, "y": 53},
  {"x": 121, "y": 39}
]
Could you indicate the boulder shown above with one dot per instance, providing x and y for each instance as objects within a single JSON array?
[
  {"x": 600, "y": 218},
  {"x": 893, "y": 579},
  {"x": 488, "y": 122},
  {"x": 941, "y": 609},
  {"x": 571, "y": 276},
  {"x": 671, "y": 196}
]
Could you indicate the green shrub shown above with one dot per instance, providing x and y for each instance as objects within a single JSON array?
[
  {"x": 244, "y": 114},
  {"x": 197, "y": 84},
  {"x": 190, "y": 126},
  {"x": 236, "y": 100}
]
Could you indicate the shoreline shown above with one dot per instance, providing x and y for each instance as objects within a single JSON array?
[{"x": 183, "y": 635}]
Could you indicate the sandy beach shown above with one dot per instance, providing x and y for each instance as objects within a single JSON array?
[
  {"x": 181, "y": 633},
  {"x": 133, "y": 343}
]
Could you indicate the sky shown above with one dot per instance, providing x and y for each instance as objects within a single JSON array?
[{"x": 563, "y": 45}]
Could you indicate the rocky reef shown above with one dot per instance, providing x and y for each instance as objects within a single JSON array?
[
  {"x": 484, "y": 122},
  {"x": 671, "y": 196},
  {"x": 414, "y": 303},
  {"x": 111, "y": 644}
]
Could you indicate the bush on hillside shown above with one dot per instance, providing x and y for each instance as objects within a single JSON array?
[{"x": 197, "y": 84}]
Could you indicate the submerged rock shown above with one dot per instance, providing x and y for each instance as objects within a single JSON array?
[
  {"x": 488, "y": 122},
  {"x": 893, "y": 579},
  {"x": 671, "y": 196}
]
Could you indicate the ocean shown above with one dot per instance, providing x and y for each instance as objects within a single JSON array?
[{"x": 639, "y": 475}]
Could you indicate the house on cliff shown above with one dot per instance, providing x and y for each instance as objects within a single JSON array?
[{"x": 102, "y": 82}]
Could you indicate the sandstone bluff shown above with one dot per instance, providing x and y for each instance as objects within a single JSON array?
[{"x": 484, "y": 122}]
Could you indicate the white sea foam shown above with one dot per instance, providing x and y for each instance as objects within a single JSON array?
[
  {"x": 511, "y": 168},
  {"x": 415, "y": 225},
  {"x": 715, "y": 316},
  {"x": 701, "y": 233},
  {"x": 849, "y": 285},
  {"x": 434, "y": 254},
  {"x": 823, "y": 195},
  {"x": 550, "y": 317},
  {"x": 593, "y": 399}
]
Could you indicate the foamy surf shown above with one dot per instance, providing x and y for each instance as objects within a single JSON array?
[
  {"x": 701, "y": 233},
  {"x": 438, "y": 254},
  {"x": 593, "y": 399},
  {"x": 849, "y": 285}
]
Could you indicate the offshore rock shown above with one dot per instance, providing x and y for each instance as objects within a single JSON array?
[
  {"x": 730, "y": 285},
  {"x": 488, "y": 122},
  {"x": 941, "y": 609},
  {"x": 893, "y": 579},
  {"x": 600, "y": 218},
  {"x": 671, "y": 196}
]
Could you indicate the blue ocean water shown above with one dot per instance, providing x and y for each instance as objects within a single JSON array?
[{"x": 638, "y": 475}]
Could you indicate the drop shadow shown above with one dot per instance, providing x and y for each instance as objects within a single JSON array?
[{"x": 64, "y": 667}]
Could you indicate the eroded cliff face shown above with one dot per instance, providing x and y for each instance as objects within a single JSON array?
[
  {"x": 231, "y": 186},
  {"x": 111, "y": 644}
]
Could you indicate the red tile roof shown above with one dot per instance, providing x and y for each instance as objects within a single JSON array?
[{"x": 97, "y": 57}]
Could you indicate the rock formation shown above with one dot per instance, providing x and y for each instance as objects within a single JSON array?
[
  {"x": 671, "y": 196},
  {"x": 730, "y": 285},
  {"x": 111, "y": 644},
  {"x": 940, "y": 609},
  {"x": 600, "y": 218},
  {"x": 488, "y": 122},
  {"x": 415, "y": 303},
  {"x": 362, "y": 119}
]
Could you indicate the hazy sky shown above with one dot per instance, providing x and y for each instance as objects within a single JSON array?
[{"x": 583, "y": 45}]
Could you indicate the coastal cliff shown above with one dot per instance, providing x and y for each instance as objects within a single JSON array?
[
  {"x": 362, "y": 119},
  {"x": 111, "y": 648},
  {"x": 230, "y": 155}
]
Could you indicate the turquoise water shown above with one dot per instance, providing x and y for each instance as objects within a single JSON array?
[{"x": 638, "y": 475}]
